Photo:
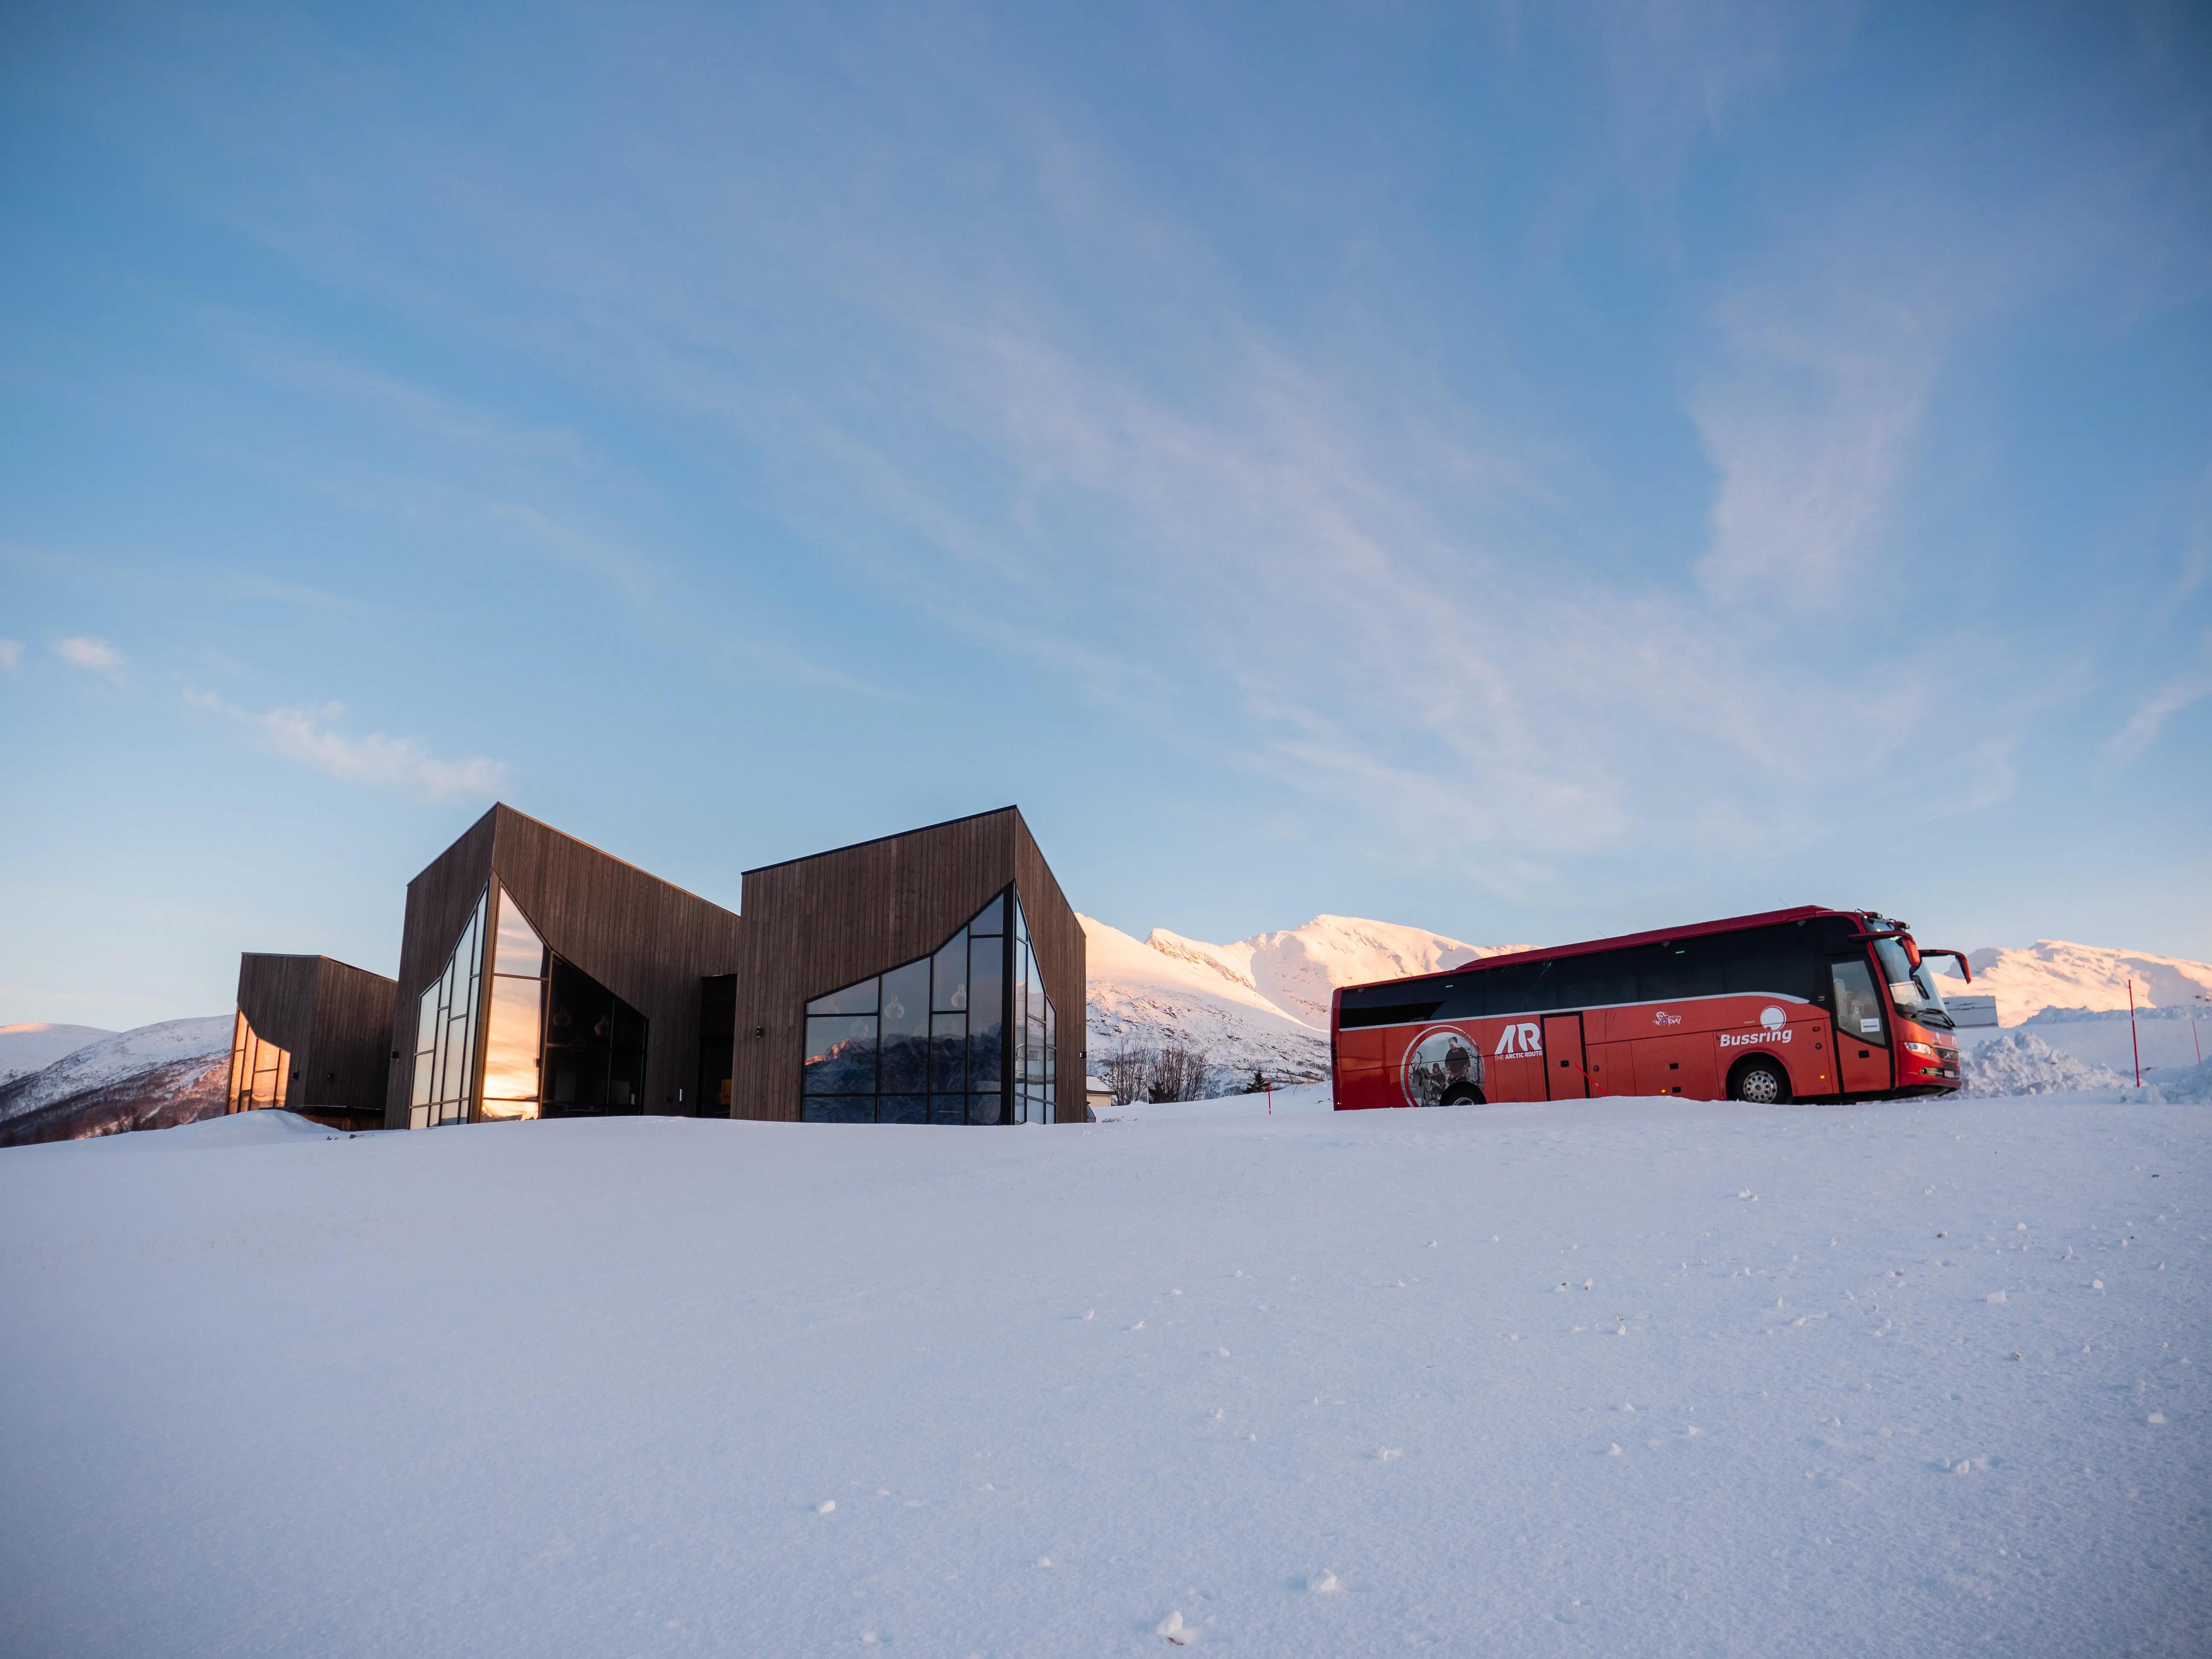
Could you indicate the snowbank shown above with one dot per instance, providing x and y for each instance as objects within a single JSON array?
[
  {"x": 2192, "y": 1085},
  {"x": 2021, "y": 1063},
  {"x": 1608, "y": 1377}
]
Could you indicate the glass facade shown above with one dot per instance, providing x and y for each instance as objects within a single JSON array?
[
  {"x": 514, "y": 1029},
  {"x": 259, "y": 1071},
  {"x": 928, "y": 1041},
  {"x": 557, "y": 1043},
  {"x": 446, "y": 1032}
]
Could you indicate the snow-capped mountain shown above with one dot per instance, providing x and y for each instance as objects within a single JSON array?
[
  {"x": 1260, "y": 1003},
  {"x": 36, "y": 1045},
  {"x": 152, "y": 1078},
  {"x": 2054, "y": 974}
]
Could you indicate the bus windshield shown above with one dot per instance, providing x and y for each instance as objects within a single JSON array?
[{"x": 1912, "y": 989}]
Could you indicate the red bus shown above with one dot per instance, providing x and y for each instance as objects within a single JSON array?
[{"x": 1809, "y": 1004}]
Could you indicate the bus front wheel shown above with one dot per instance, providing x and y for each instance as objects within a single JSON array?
[{"x": 1761, "y": 1082}]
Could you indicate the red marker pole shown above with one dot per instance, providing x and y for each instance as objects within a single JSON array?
[{"x": 2132, "y": 1036}]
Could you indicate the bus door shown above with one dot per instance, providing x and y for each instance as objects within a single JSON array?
[
  {"x": 1564, "y": 1078},
  {"x": 1861, "y": 1033}
]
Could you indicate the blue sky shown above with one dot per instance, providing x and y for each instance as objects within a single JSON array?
[{"x": 1529, "y": 471}]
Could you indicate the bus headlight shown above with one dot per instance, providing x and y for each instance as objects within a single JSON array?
[{"x": 1921, "y": 1048}]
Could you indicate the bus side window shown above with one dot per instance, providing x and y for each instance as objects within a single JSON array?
[
  {"x": 1781, "y": 959},
  {"x": 1858, "y": 1006},
  {"x": 1681, "y": 968}
]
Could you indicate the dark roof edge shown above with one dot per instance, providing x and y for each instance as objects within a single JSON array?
[
  {"x": 501, "y": 806},
  {"x": 1652, "y": 936},
  {"x": 356, "y": 969},
  {"x": 853, "y": 847},
  {"x": 316, "y": 956}
]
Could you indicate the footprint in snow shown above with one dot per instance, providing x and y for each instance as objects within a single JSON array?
[
  {"x": 1388, "y": 1455},
  {"x": 1325, "y": 1584},
  {"x": 827, "y": 1506}
]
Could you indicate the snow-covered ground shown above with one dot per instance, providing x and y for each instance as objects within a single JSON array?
[
  {"x": 35, "y": 1044},
  {"x": 1613, "y": 1377}
]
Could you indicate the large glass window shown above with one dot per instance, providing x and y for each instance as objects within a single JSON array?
[
  {"x": 928, "y": 1042},
  {"x": 557, "y": 1043},
  {"x": 259, "y": 1071},
  {"x": 515, "y": 1025},
  {"x": 446, "y": 1031},
  {"x": 594, "y": 1048}
]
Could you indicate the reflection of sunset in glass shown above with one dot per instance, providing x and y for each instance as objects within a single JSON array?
[
  {"x": 511, "y": 1044},
  {"x": 514, "y": 1023},
  {"x": 258, "y": 1070}
]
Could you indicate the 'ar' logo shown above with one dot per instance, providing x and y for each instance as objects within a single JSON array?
[{"x": 1521, "y": 1039}]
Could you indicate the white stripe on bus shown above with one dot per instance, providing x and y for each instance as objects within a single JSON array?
[{"x": 1581, "y": 1008}]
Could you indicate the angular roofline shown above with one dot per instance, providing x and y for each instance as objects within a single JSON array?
[
  {"x": 900, "y": 835},
  {"x": 499, "y": 806},
  {"x": 315, "y": 956},
  {"x": 1653, "y": 936}
]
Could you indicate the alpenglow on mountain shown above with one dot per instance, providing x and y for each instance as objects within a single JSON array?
[{"x": 1260, "y": 1003}]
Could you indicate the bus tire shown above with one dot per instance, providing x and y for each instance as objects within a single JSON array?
[
  {"x": 1461, "y": 1094},
  {"x": 1759, "y": 1082}
]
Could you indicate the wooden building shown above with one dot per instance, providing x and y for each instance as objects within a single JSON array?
[
  {"x": 540, "y": 977},
  {"x": 936, "y": 976},
  {"x": 311, "y": 1035}
]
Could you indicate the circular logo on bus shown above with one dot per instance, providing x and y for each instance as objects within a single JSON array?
[
  {"x": 1772, "y": 1017},
  {"x": 1442, "y": 1068}
]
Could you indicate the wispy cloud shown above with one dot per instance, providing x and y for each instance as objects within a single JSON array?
[
  {"x": 1015, "y": 379},
  {"x": 2190, "y": 686},
  {"x": 11, "y": 655},
  {"x": 310, "y": 737},
  {"x": 1811, "y": 429},
  {"x": 82, "y": 652}
]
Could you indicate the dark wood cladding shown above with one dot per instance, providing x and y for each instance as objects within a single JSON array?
[
  {"x": 1056, "y": 935},
  {"x": 335, "y": 1019},
  {"x": 646, "y": 941},
  {"x": 815, "y": 924}
]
